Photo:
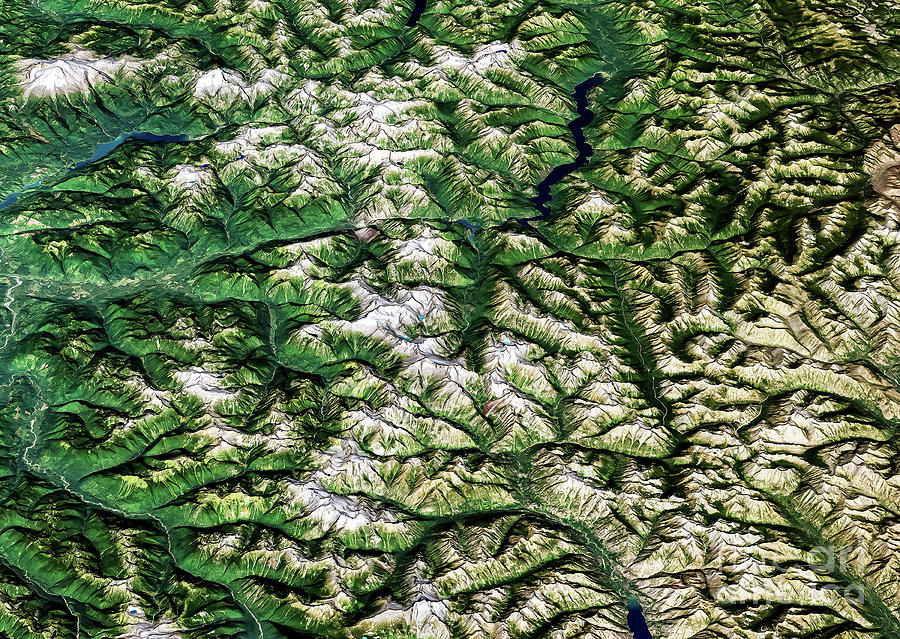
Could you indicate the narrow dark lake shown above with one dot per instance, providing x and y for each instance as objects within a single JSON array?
[
  {"x": 100, "y": 152},
  {"x": 576, "y": 126},
  {"x": 418, "y": 10},
  {"x": 636, "y": 622}
]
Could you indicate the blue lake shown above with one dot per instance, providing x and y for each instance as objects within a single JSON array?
[
  {"x": 106, "y": 148},
  {"x": 100, "y": 152},
  {"x": 468, "y": 225},
  {"x": 636, "y": 622},
  {"x": 418, "y": 10},
  {"x": 576, "y": 126}
]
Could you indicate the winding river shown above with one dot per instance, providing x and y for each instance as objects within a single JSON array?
[{"x": 636, "y": 622}]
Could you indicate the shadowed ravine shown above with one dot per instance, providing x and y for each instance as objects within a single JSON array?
[{"x": 576, "y": 126}]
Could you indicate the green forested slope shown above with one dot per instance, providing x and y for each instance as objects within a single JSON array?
[{"x": 263, "y": 383}]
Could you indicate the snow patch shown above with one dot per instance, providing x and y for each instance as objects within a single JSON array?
[
  {"x": 343, "y": 512},
  {"x": 155, "y": 397},
  {"x": 281, "y": 438},
  {"x": 69, "y": 73},
  {"x": 204, "y": 385},
  {"x": 494, "y": 55},
  {"x": 427, "y": 615},
  {"x": 220, "y": 83},
  {"x": 230, "y": 85},
  {"x": 188, "y": 177},
  {"x": 384, "y": 317},
  {"x": 144, "y": 629}
]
